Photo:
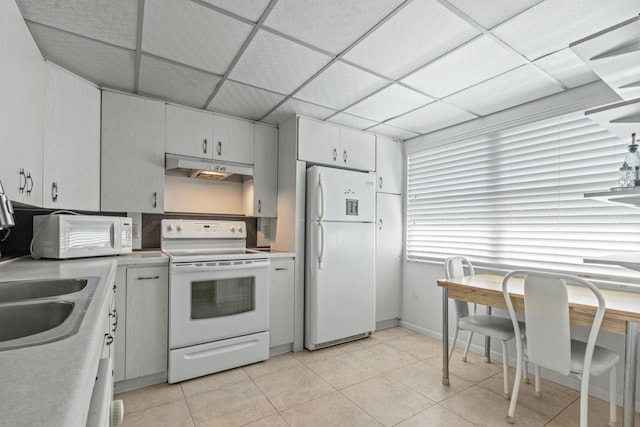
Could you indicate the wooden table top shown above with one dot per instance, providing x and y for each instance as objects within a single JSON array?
[{"x": 486, "y": 289}]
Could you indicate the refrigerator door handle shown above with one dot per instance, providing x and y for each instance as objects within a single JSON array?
[
  {"x": 321, "y": 246},
  {"x": 321, "y": 194}
]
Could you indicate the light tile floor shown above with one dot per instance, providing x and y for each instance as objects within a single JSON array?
[{"x": 392, "y": 378}]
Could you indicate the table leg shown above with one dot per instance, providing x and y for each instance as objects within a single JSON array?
[
  {"x": 487, "y": 343},
  {"x": 630, "y": 368},
  {"x": 445, "y": 336}
]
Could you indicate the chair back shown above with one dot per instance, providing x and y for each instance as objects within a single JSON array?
[
  {"x": 455, "y": 267},
  {"x": 546, "y": 312}
]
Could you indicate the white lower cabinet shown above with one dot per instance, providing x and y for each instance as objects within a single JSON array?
[
  {"x": 281, "y": 307},
  {"x": 388, "y": 255},
  {"x": 143, "y": 328}
]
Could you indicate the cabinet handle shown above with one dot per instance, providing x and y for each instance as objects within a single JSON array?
[
  {"x": 335, "y": 154},
  {"x": 259, "y": 206},
  {"x": 54, "y": 191},
  {"x": 219, "y": 148},
  {"x": 380, "y": 224},
  {"x": 31, "y": 181},
  {"x": 380, "y": 180},
  {"x": 148, "y": 277},
  {"x": 22, "y": 186},
  {"x": 155, "y": 199},
  {"x": 204, "y": 146},
  {"x": 109, "y": 339},
  {"x": 282, "y": 269},
  {"x": 344, "y": 156},
  {"x": 114, "y": 314}
]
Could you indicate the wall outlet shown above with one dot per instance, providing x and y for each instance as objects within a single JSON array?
[{"x": 265, "y": 231}]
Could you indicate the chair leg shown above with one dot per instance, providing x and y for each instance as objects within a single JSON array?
[
  {"x": 525, "y": 372},
  {"x": 466, "y": 347},
  {"x": 453, "y": 343},
  {"x": 505, "y": 369},
  {"x": 536, "y": 369},
  {"x": 516, "y": 390},
  {"x": 612, "y": 398}
]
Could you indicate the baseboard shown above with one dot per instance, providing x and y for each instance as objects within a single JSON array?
[
  {"x": 140, "y": 382},
  {"x": 386, "y": 324},
  {"x": 280, "y": 349}
]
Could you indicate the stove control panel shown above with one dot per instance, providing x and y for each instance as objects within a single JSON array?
[{"x": 195, "y": 229}]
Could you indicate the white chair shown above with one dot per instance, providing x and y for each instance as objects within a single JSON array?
[
  {"x": 548, "y": 340},
  {"x": 485, "y": 324}
]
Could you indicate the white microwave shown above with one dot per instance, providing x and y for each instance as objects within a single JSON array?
[{"x": 79, "y": 236}]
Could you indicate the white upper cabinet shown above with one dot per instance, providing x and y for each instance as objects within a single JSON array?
[
  {"x": 262, "y": 200},
  {"x": 329, "y": 144},
  {"x": 389, "y": 165},
  {"x": 22, "y": 76},
  {"x": 233, "y": 140},
  {"x": 189, "y": 132},
  {"x": 132, "y": 154},
  {"x": 71, "y": 151}
]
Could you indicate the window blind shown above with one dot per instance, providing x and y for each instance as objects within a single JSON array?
[{"x": 514, "y": 199}]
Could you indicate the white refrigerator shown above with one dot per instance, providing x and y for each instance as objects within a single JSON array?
[{"x": 340, "y": 288}]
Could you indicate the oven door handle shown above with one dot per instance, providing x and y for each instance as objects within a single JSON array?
[{"x": 190, "y": 267}]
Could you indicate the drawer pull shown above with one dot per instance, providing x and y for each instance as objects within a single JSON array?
[
  {"x": 281, "y": 269},
  {"x": 148, "y": 278}
]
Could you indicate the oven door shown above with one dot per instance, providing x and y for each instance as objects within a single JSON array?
[{"x": 210, "y": 301}]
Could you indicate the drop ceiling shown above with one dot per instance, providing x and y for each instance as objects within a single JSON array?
[{"x": 399, "y": 68}]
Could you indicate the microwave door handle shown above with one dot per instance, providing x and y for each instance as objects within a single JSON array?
[{"x": 113, "y": 235}]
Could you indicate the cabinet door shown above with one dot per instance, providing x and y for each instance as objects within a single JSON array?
[
  {"x": 21, "y": 108},
  {"x": 132, "y": 178},
  {"x": 265, "y": 172},
  {"x": 281, "y": 310},
  {"x": 121, "y": 328},
  {"x": 388, "y": 255},
  {"x": 147, "y": 321},
  {"x": 358, "y": 149},
  {"x": 71, "y": 160},
  {"x": 233, "y": 140},
  {"x": 389, "y": 165},
  {"x": 318, "y": 142},
  {"x": 189, "y": 132}
]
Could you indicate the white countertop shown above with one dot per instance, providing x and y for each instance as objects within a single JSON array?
[
  {"x": 51, "y": 384},
  {"x": 143, "y": 258}
]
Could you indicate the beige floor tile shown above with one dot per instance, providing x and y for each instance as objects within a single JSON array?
[
  {"x": 554, "y": 398},
  {"x": 417, "y": 345},
  {"x": 343, "y": 370},
  {"x": 148, "y": 397},
  {"x": 307, "y": 356},
  {"x": 356, "y": 345},
  {"x": 292, "y": 387},
  {"x": 486, "y": 408},
  {"x": 427, "y": 380},
  {"x": 275, "y": 420},
  {"x": 234, "y": 405},
  {"x": 174, "y": 414},
  {"x": 391, "y": 333},
  {"x": 213, "y": 382},
  {"x": 330, "y": 410},
  {"x": 436, "y": 416},
  {"x": 474, "y": 369},
  {"x": 384, "y": 357},
  {"x": 598, "y": 414},
  {"x": 387, "y": 400},
  {"x": 274, "y": 364}
]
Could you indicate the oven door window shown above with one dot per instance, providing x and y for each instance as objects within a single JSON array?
[{"x": 222, "y": 297}]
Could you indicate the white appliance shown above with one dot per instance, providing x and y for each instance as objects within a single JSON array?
[
  {"x": 218, "y": 298},
  {"x": 340, "y": 256},
  {"x": 79, "y": 236}
]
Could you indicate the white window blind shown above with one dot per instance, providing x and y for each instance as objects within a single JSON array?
[{"x": 514, "y": 199}]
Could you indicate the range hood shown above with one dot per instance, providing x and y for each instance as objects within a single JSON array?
[{"x": 195, "y": 167}]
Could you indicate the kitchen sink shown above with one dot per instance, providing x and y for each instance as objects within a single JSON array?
[
  {"x": 33, "y": 289},
  {"x": 34, "y": 312}
]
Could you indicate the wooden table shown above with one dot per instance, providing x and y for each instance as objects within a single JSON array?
[{"x": 622, "y": 316}]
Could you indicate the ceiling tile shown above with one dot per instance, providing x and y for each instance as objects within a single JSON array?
[
  {"x": 329, "y": 25},
  {"x": 105, "y": 65},
  {"x": 516, "y": 87},
  {"x": 112, "y": 21},
  {"x": 419, "y": 33},
  {"x": 464, "y": 67},
  {"x": 391, "y": 101},
  {"x": 293, "y": 106},
  {"x": 355, "y": 122},
  {"x": 565, "y": 66},
  {"x": 553, "y": 24},
  {"x": 175, "y": 83},
  {"x": 277, "y": 64},
  {"x": 244, "y": 101},
  {"x": 392, "y": 132},
  {"x": 190, "y": 33},
  {"x": 340, "y": 85},
  {"x": 432, "y": 117},
  {"x": 490, "y": 13},
  {"x": 250, "y": 9}
]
